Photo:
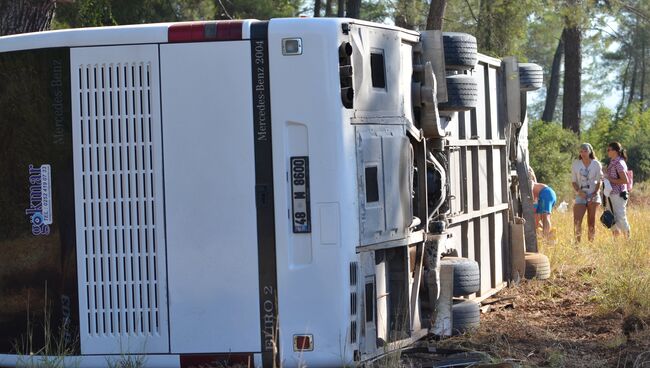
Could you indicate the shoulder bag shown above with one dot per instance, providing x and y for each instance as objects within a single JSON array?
[{"x": 607, "y": 218}]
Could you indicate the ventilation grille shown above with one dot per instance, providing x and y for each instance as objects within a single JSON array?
[
  {"x": 122, "y": 288},
  {"x": 353, "y": 273},
  {"x": 353, "y": 302}
]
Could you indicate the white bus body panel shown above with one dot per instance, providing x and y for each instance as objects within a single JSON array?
[
  {"x": 96, "y": 36},
  {"x": 308, "y": 120},
  {"x": 210, "y": 197}
]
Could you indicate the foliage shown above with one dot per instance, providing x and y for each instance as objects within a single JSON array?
[
  {"x": 460, "y": 16},
  {"x": 552, "y": 150},
  {"x": 632, "y": 130},
  {"x": 375, "y": 11},
  {"x": 639, "y": 158},
  {"x": 89, "y": 13},
  {"x": 411, "y": 14},
  {"x": 598, "y": 134},
  {"x": 631, "y": 36},
  {"x": 259, "y": 9},
  {"x": 500, "y": 26},
  {"x": 543, "y": 33},
  {"x": 96, "y": 13}
]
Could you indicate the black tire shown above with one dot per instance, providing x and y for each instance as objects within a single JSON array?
[
  {"x": 467, "y": 275},
  {"x": 531, "y": 76},
  {"x": 462, "y": 93},
  {"x": 466, "y": 317},
  {"x": 461, "y": 52},
  {"x": 537, "y": 266}
]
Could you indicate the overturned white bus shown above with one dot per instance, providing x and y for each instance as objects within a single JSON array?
[{"x": 267, "y": 193}]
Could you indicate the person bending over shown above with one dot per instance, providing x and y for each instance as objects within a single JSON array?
[{"x": 545, "y": 198}]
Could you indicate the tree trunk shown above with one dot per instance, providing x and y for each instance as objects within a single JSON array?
[
  {"x": 571, "y": 101},
  {"x": 642, "y": 85},
  {"x": 619, "y": 109},
  {"x": 554, "y": 82},
  {"x": 436, "y": 14},
  {"x": 484, "y": 26},
  {"x": 340, "y": 10},
  {"x": 633, "y": 81},
  {"x": 403, "y": 14},
  {"x": 317, "y": 6},
  {"x": 353, "y": 9},
  {"x": 22, "y": 16},
  {"x": 328, "y": 8}
]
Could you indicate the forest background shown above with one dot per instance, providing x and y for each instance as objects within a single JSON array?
[{"x": 593, "y": 53}]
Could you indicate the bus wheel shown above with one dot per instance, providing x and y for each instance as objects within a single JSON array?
[
  {"x": 467, "y": 276},
  {"x": 466, "y": 317},
  {"x": 462, "y": 93},
  {"x": 531, "y": 76},
  {"x": 461, "y": 52},
  {"x": 537, "y": 266}
]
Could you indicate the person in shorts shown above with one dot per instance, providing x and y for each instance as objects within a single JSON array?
[
  {"x": 587, "y": 175},
  {"x": 545, "y": 198}
]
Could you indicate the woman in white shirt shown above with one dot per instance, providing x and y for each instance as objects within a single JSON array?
[{"x": 587, "y": 174}]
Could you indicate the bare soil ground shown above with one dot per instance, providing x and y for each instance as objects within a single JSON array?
[{"x": 556, "y": 323}]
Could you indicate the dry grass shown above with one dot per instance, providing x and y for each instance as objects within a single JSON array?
[
  {"x": 53, "y": 352},
  {"x": 617, "y": 268},
  {"x": 593, "y": 312}
]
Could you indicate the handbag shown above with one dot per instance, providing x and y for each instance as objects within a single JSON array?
[{"x": 607, "y": 218}]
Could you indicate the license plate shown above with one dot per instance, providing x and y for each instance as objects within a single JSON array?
[{"x": 299, "y": 176}]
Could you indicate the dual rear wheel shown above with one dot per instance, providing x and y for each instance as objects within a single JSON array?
[
  {"x": 466, "y": 314},
  {"x": 467, "y": 280}
]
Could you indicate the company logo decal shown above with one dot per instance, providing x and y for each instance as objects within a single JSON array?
[{"x": 40, "y": 206}]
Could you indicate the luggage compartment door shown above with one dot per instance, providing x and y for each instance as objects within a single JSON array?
[
  {"x": 385, "y": 177},
  {"x": 210, "y": 197}
]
